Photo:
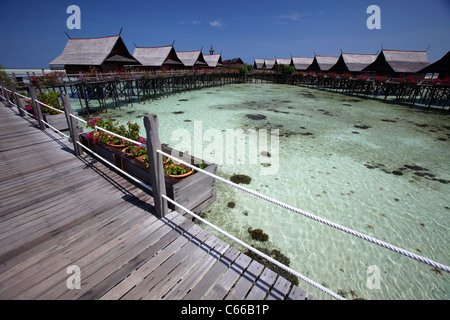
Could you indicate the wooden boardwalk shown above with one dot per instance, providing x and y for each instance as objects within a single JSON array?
[{"x": 58, "y": 210}]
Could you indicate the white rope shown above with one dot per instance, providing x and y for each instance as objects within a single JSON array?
[
  {"x": 46, "y": 105},
  {"x": 324, "y": 221},
  {"x": 270, "y": 259},
  {"x": 114, "y": 134},
  {"x": 24, "y": 96},
  {"x": 115, "y": 167},
  {"x": 65, "y": 135}
]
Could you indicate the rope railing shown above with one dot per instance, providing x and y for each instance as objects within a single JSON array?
[
  {"x": 73, "y": 133},
  {"x": 316, "y": 218}
]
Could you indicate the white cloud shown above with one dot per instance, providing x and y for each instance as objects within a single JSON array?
[
  {"x": 216, "y": 23},
  {"x": 293, "y": 16},
  {"x": 196, "y": 22}
]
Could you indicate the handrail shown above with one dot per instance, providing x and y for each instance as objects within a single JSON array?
[{"x": 311, "y": 216}]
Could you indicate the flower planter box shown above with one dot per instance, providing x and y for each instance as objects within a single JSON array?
[{"x": 195, "y": 192}]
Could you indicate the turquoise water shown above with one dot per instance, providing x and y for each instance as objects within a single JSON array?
[{"x": 335, "y": 159}]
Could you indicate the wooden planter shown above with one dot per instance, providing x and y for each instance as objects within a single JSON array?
[{"x": 195, "y": 192}]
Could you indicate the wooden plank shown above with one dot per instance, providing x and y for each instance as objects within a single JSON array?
[
  {"x": 262, "y": 285},
  {"x": 279, "y": 290},
  {"x": 246, "y": 281},
  {"x": 186, "y": 284},
  {"x": 154, "y": 277},
  {"x": 208, "y": 280},
  {"x": 296, "y": 294},
  {"x": 149, "y": 266},
  {"x": 221, "y": 288}
]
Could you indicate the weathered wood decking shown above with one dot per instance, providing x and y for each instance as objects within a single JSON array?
[{"x": 58, "y": 210}]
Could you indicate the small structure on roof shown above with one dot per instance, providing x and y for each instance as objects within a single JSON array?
[
  {"x": 105, "y": 54},
  {"x": 353, "y": 62},
  {"x": 157, "y": 57},
  {"x": 394, "y": 62},
  {"x": 442, "y": 66},
  {"x": 301, "y": 64},
  {"x": 213, "y": 60},
  {"x": 192, "y": 59},
  {"x": 322, "y": 63}
]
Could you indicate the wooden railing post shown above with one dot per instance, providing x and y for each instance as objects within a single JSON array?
[
  {"x": 151, "y": 123},
  {"x": 72, "y": 124},
  {"x": 16, "y": 99},
  {"x": 36, "y": 107},
  {"x": 2, "y": 88}
]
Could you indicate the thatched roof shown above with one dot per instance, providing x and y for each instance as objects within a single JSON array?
[
  {"x": 395, "y": 61},
  {"x": 301, "y": 63},
  {"x": 322, "y": 63},
  {"x": 440, "y": 66},
  {"x": 258, "y": 63},
  {"x": 282, "y": 61},
  {"x": 156, "y": 56},
  {"x": 213, "y": 60},
  {"x": 269, "y": 63},
  {"x": 352, "y": 62},
  {"x": 192, "y": 58},
  {"x": 94, "y": 52}
]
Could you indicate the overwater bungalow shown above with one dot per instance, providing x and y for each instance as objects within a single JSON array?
[
  {"x": 322, "y": 63},
  {"x": 442, "y": 67},
  {"x": 258, "y": 63},
  {"x": 192, "y": 59},
  {"x": 352, "y": 62},
  {"x": 300, "y": 63},
  {"x": 213, "y": 60},
  {"x": 280, "y": 62},
  {"x": 269, "y": 63},
  {"x": 105, "y": 54},
  {"x": 234, "y": 63},
  {"x": 396, "y": 62},
  {"x": 158, "y": 57}
]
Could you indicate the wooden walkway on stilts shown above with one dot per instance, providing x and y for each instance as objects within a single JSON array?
[{"x": 59, "y": 210}]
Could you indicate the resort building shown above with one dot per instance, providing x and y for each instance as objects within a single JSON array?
[
  {"x": 157, "y": 57},
  {"x": 234, "y": 63},
  {"x": 269, "y": 63},
  {"x": 396, "y": 62},
  {"x": 213, "y": 60},
  {"x": 442, "y": 67},
  {"x": 286, "y": 62},
  {"x": 258, "y": 63},
  {"x": 352, "y": 62},
  {"x": 301, "y": 64},
  {"x": 106, "y": 54},
  {"x": 322, "y": 63},
  {"x": 192, "y": 59}
]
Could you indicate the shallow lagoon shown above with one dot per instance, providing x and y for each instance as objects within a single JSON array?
[{"x": 378, "y": 168}]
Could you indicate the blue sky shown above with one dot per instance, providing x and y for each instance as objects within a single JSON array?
[{"x": 33, "y": 32}]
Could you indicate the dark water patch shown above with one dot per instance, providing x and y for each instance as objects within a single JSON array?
[
  {"x": 355, "y": 132},
  {"x": 187, "y": 120},
  {"x": 241, "y": 179},
  {"x": 183, "y": 100},
  {"x": 178, "y": 112},
  {"x": 346, "y": 104},
  {"x": 278, "y": 111},
  {"x": 130, "y": 112},
  {"x": 231, "y": 204},
  {"x": 325, "y": 112},
  {"x": 363, "y": 127},
  {"x": 442, "y": 139},
  {"x": 256, "y": 116},
  {"x": 388, "y": 120}
]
